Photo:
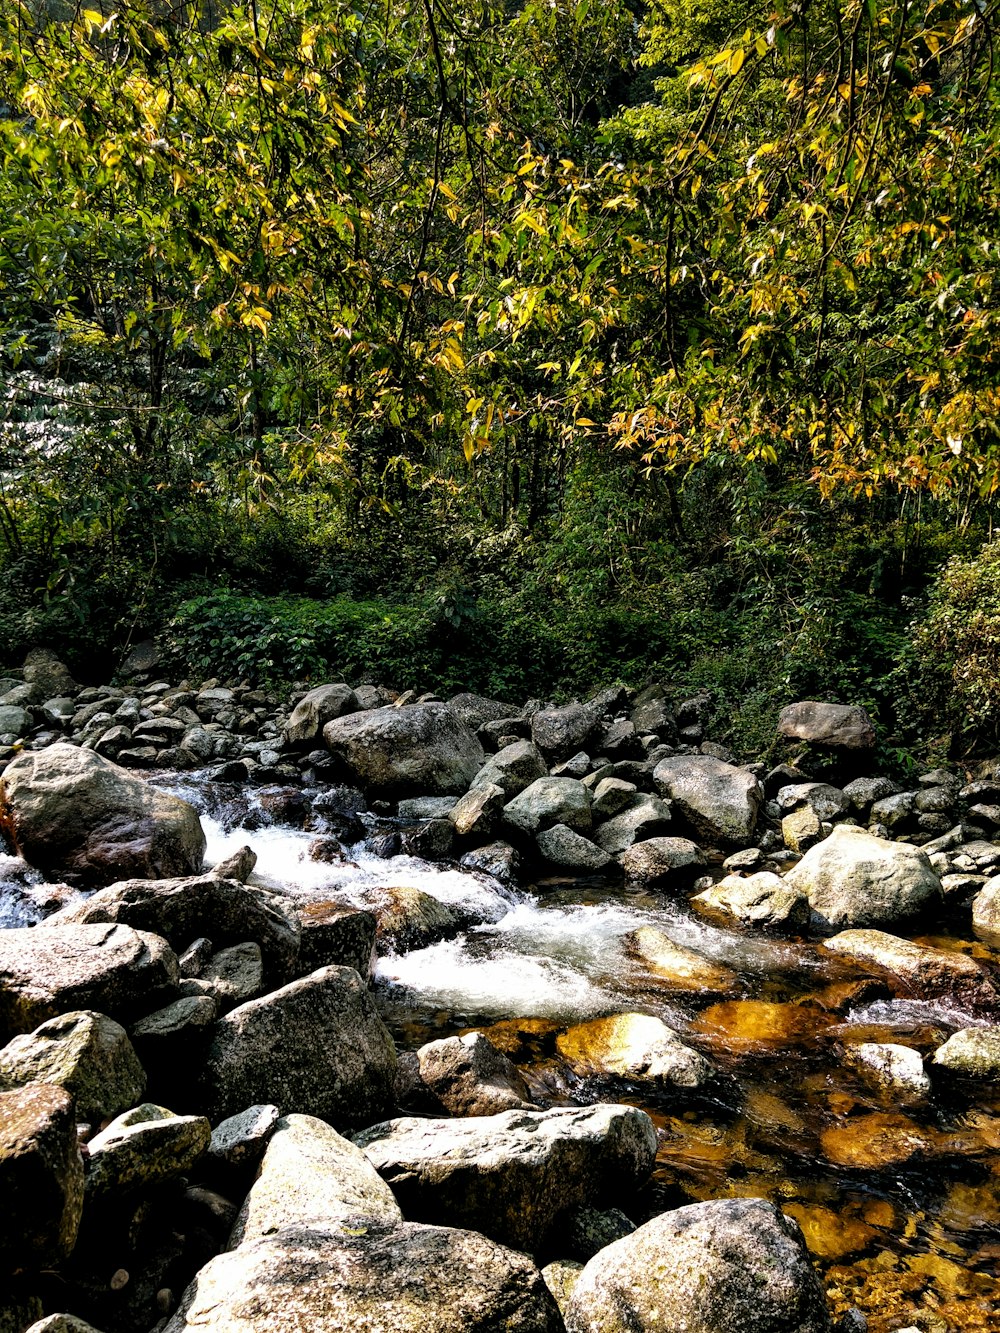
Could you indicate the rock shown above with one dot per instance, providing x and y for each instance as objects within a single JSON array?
[
  {"x": 550, "y": 801},
  {"x": 801, "y": 829},
  {"x": 44, "y": 669},
  {"x": 304, "y": 728},
  {"x": 840, "y": 726},
  {"x": 658, "y": 861},
  {"x": 561, "y": 1277},
  {"x": 720, "y": 802},
  {"x": 426, "y": 807},
  {"x": 84, "y": 1052},
  {"x": 656, "y": 717},
  {"x": 182, "y": 909},
  {"x": 750, "y": 859},
  {"x": 647, "y": 817},
  {"x": 633, "y": 1046},
  {"x": 560, "y": 732},
  {"x": 475, "y": 710},
  {"x": 828, "y": 803},
  {"x": 763, "y": 899},
  {"x": 511, "y": 1175},
  {"x": 973, "y": 1053},
  {"x": 238, "y": 866},
  {"x": 144, "y": 1147},
  {"x": 235, "y": 975},
  {"x": 14, "y": 721},
  {"x": 498, "y": 859},
  {"x": 724, "y": 1266},
  {"x": 404, "y": 1278},
  {"x": 611, "y": 797},
  {"x": 468, "y": 1076},
  {"x": 47, "y": 971},
  {"x": 513, "y": 768},
  {"x": 61, "y": 1323},
  {"x": 854, "y": 879},
  {"x": 238, "y": 1143},
  {"x": 431, "y": 841},
  {"x": 923, "y": 972},
  {"x": 589, "y": 1230},
  {"x": 80, "y": 818},
  {"x": 310, "y": 1174},
  {"x": 986, "y": 911},
  {"x": 676, "y": 968},
  {"x": 424, "y": 749},
  {"x": 409, "y": 918},
  {"x": 884, "y": 1139},
  {"x": 895, "y": 1070},
  {"x": 562, "y": 847},
  {"x": 317, "y": 1046},
  {"x": 895, "y": 813},
  {"x": 41, "y": 1177},
  {"x": 864, "y": 792},
  {"x": 171, "y": 1040},
  {"x": 332, "y": 933},
  {"x": 477, "y": 814}
]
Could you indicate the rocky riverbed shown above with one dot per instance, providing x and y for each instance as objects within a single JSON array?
[{"x": 354, "y": 1010}]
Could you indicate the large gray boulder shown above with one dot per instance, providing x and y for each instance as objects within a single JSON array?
[
  {"x": 317, "y": 1046},
  {"x": 513, "y": 768},
  {"x": 645, "y": 817},
  {"x": 561, "y": 732},
  {"x": 550, "y": 801},
  {"x": 422, "y": 749},
  {"x": 368, "y": 1278},
  {"x": 467, "y": 1075},
  {"x": 718, "y": 800},
  {"x": 41, "y": 1177},
  {"x": 725, "y": 1266},
  {"x": 511, "y": 1175},
  {"x": 840, "y": 726},
  {"x": 763, "y": 899},
  {"x": 309, "y": 1175},
  {"x": 658, "y": 861},
  {"x": 853, "y": 878},
  {"x": 84, "y": 1052},
  {"x": 112, "y": 969},
  {"x": 310, "y": 715},
  {"x": 81, "y": 818},
  {"x": 181, "y": 910}
]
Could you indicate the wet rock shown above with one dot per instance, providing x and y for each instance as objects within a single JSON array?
[
  {"x": 763, "y": 899},
  {"x": 633, "y": 1046},
  {"x": 80, "y": 818},
  {"x": 317, "y": 1046},
  {"x": 747, "y": 1026},
  {"x": 409, "y": 918},
  {"x": 720, "y": 802},
  {"x": 550, "y": 801},
  {"x": 424, "y": 749},
  {"x": 84, "y": 1052},
  {"x": 677, "y": 968},
  {"x": 839, "y": 726},
  {"x": 310, "y": 1174},
  {"x": 725, "y": 1266},
  {"x": 468, "y": 1076},
  {"x": 333, "y": 933},
  {"x": 182, "y": 909},
  {"x": 855, "y": 879},
  {"x": 890, "y": 1068},
  {"x": 405, "y": 1278},
  {"x": 144, "y": 1147},
  {"x": 572, "y": 851},
  {"x": 46, "y": 971},
  {"x": 658, "y": 861},
  {"x": 432, "y": 841},
  {"x": 498, "y": 859},
  {"x": 973, "y": 1053},
  {"x": 477, "y": 814},
  {"x": 238, "y": 866},
  {"x": 311, "y": 714},
  {"x": 41, "y": 1177},
  {"x": 511, "y": 1175},
  {"x": 921, "y": 971},
  {"x": 560, "y": 732},
  {"x": 882, "y": 1140},
  {"x": 986, "y": 911},
  {"x": 646, "y": 817}
]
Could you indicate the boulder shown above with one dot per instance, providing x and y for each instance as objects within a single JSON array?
[
  {"x": 41, "y": 1177},
  {"x": 317, "y": 1046},
  {"x": 310, "y": 1174},
  {"x": 498, "y": 859},
  {"x": 840, "y": 726},
  {"x": 409, "y": 918},
  {"x": 724, "y": 1266},
  {"x": 475, "y": 710},
  {"x": 921, "y": 971},
  {"x": 238, "y": 1143},
  {"x": 84, "y": 1052},
  {"x": 423, "y": 749},
  {"x": 633, "y": 1046},
  {"x": 560, "y": 732},
  {"x": 234, "y": 975},
  {"x": 973, "y": 1053},
  {"x": 550, "y": 801},
  {"x": 513, "y": 768},
  {"x": 14, "y": 721},
  {"x": 142, "y": 1148},
  {"x": 49, "y": 971},
  {"x": 304, "y": 728},
  {"x": 763, "y": 899},
  {"x": 676, "y": 968},
  {"x": 852, "y": 878},
  {"x": 369, "y": 1278},
  {"x": 986, "y": 911},
  {"x": 333, "y": 933},
  {"x": 719, "y": 801},
  {"x": 43, "y": 669},
  {"x": 897, "y": 1071},
  {"x": 182, "y": 909},
  {"x": 572, "y": 851},
  {"x": 238, "y": 865},
  {"x": 81, "y": 818},
  {"x": 511, "y": 1175},
  {"x": 477, "y": 814},
  {"x": 589, "y": 1230},
  {"x": 611, "y": 797},
  {"x": 646, "y": 817},
  {"x": 61, "y": 1323},
  {"x": 659, "y": 861},
  {"x": 467, "y": 1075}
]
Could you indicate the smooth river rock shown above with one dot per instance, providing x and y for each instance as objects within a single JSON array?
[{"x": 923, "y": 972}]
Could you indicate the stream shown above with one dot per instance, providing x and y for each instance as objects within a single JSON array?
[{"x": 900, "y": 1205}]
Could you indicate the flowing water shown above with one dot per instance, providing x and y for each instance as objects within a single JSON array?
[{"x": 900, "y": 1205}]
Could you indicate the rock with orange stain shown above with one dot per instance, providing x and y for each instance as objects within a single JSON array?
[
  {"x": 924, "y": 972},
  {"x": 676, "y": 968},
  {"x": 830, "y": 1235},
  {"x": 884, "y": 1139},
  {"x": 747, "y": 1023},
  {"x": 634, "y": 1046}
]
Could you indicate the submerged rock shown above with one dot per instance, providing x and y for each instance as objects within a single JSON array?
[
  {"x": 633, "y": 1046},
  {"x": 895, "y": 1070},
  {"x": 677, "y": 968}
]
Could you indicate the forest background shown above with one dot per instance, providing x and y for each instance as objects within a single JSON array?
[{"x": 519, "y": 346}]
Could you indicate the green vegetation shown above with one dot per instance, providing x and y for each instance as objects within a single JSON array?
[{"x": 514, "y": 347}]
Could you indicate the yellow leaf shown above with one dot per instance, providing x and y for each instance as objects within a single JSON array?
[{"x": 736, "y": 60}]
